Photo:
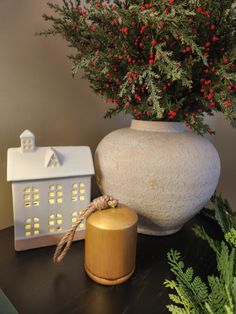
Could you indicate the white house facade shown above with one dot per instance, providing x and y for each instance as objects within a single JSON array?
[{"x": 50, "y": 186}]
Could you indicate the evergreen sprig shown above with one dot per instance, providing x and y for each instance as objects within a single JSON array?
[
  {"x": 218, "y": 295},
  {"x": 167, "y": 60}
]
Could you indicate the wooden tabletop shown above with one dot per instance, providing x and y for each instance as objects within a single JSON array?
[{"x": 37, "y": 286}]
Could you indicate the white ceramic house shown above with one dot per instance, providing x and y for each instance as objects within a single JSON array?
[{"x": 50, "y": 186}]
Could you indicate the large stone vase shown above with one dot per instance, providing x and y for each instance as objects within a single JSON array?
[{"x": 166, "y": 173}]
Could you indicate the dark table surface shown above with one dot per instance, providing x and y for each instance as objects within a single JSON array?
[{"x": 37, "y": 286}]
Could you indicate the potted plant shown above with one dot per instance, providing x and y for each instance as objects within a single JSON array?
[{"x": 168, "y": 63}]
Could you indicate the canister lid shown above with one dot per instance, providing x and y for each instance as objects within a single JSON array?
[{"x": 121, "y": 217}]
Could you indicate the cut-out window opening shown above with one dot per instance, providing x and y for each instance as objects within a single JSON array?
[
  {"x": 54, "y": 162},
  {"x": 27, "y": 144},
  {"x": 74, "y": 198},
  {"x": 32, "y": 226}
]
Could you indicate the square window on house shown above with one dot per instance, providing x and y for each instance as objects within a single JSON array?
[
  {"x": 35, "y": 196},
  {"x": 36, "y": 203},
  {"x": 28, "y": 233},
  {"x": 51, "y": 201},
  {"x": 51, "y": 194},
  {"x": 82, "y": 191},
  {"x": 59, "y": 200},
  {"x": 74, "y": 219},
  {"x": 74, "y": 198},
  {"x": 75, "y": 185},
  {"x": 52, "y": 187},
  {"x": 26, "y": 197},
  {"x": 82, "y": 185},
  {"x": 27, "y": 190},
  {"x": 74, "y": 192},
  {"x": 82, "y": 198},
  {"x": 27, "y": 204},
  {"x": 51, "y": 229},
  {"x": 59, "y": 187}
]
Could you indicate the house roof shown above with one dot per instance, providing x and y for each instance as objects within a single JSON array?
[
  {"x": 74, "y": 161},
  {"x": 26, "y": 133}
]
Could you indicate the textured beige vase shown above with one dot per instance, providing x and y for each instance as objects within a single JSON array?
[{"x": 158, "y": 168}]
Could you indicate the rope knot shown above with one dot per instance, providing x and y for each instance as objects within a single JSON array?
[{"x": 104, "y": 202}]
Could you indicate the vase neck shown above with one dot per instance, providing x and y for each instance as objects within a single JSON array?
[{"x": 158, "y": 126}]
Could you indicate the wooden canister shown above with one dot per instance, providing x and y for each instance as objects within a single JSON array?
[{"x": 110, "y": 245}]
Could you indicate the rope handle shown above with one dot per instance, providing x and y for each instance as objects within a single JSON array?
[{"x": 100, "y": 203}]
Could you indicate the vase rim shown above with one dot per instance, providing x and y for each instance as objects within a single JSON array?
[{"x": 158, "y": 126}]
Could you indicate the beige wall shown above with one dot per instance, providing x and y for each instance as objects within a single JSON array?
[{"x": 37, "y": 92}]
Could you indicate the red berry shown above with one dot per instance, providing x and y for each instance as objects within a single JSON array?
[
  {"x": 162, "y": 25},
  {"x": 153, "y": 42},
  {"x": 187, "y": 49},
  {"x": 172, "y": 114},
  {"x": 215, "y": 38},
  {"x": 227, "y": 103},
  {"x": 171, "y": 1},
  {"x": 74, "y": 26},
  {"x": 151, "y": 61},
  {"x": 207, "y": 44},
  {"x": 116, "y": 21},
  {"x": 148, "y": 5},
  {"x": 124, "y": 30},
  {"x": 199, "y": 9},
  {"x": 93, "y": 28},
  {"x": 167, "y": 10}
]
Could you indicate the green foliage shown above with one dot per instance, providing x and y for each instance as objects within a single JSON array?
[
  {"x": 162, "y": 60},
  {"x": 223, "y": 213},
  {"x": 218, "y": 295}
]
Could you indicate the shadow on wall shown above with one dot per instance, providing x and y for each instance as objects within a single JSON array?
[
  {"x": 225, "y": 143},
  {"x": 37, "y": 92}
]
